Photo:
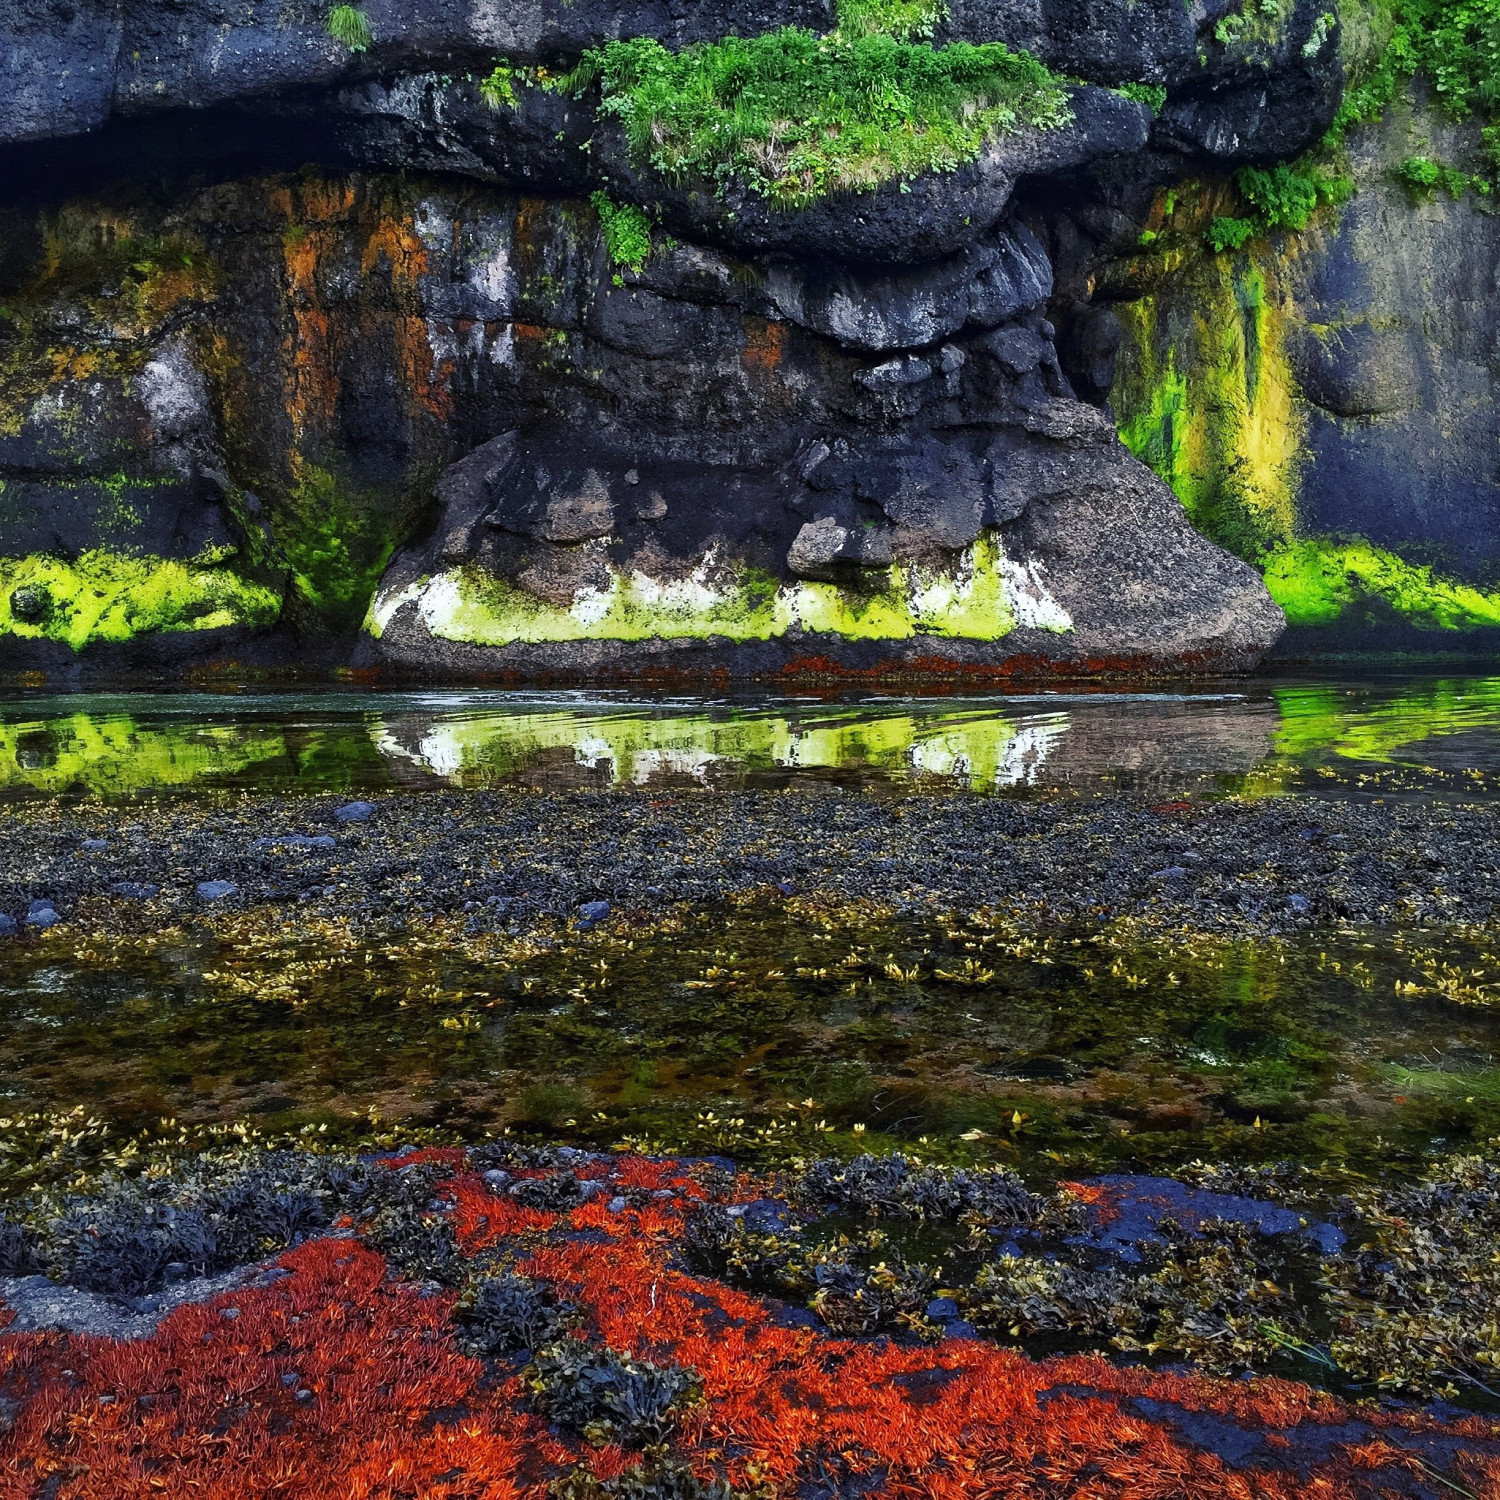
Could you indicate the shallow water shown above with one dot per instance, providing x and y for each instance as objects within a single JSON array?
[
  {"x": 1099, "y": 1047},
  {"x": 1087, "y": 1046},
  {"x": 1394, "y": 735}
]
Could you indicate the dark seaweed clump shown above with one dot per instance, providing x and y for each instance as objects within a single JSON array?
[
  {"x": 895, "y": 1186},
  {"x": 608, "y": 1396},
  {"x": 135, "y": 1235},
  {"x": 1216, "y": 1295},
  {"x": 660, "y": 1477},
  {"x": 504, "y": 1313}
]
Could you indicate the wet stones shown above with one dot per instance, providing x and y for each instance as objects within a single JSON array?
[{"x": 31, "y": 605}]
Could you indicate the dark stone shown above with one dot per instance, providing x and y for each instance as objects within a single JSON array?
[
  {"x": 42, "y": 913},
  {"x": 8, "y": 925},
  {"x": 30, "y": 605},
  {"x": 354, "y": 812},
  {"x": 216, "y": 890}
]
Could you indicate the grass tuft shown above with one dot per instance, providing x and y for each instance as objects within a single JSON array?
[
  {"x": 797, "y": 116},
  {"x": 349, "y": 25}
]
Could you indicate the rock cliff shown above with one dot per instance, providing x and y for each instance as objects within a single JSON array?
[{"x": 396, "y": 337}]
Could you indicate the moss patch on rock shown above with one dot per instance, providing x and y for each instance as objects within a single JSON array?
[
  {"x": 106, "y": 596},
  {"x": 973, "y": 600},
  {"x": 796, "y": 116}
]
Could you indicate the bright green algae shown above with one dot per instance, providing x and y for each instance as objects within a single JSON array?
[
  {"x": 725, "y": 601},
  {"x": 108, "y": 596}
]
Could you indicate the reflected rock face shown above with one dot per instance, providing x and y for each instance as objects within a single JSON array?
[{"x": 1151, "y": 746}]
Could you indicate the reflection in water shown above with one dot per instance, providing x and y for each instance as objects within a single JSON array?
[
  {"x": 982, "y": 747},
  {"x": 1265, "y": 738}
]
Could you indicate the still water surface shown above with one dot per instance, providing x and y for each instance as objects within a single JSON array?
[
  {"x": 1396, "y": 735},
  {"x": 1086, "y": 1046}
]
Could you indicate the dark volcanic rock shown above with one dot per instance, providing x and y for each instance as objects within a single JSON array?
[{"x": 403, "y": 409}]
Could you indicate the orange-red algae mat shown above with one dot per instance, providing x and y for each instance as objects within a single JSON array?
[{"x": 336, "y": 1380}]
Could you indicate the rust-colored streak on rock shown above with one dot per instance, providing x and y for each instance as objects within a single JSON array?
[
  {"x": 310, "y": 380},
  {"x": 394, "y": 252},
  {"x": 764, "y": 341}
]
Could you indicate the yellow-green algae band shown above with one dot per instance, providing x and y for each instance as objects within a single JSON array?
[
  {"x": 108, "y": 596},
  {"x": 1207, "y": 399},
  {"x": 983, "y": 598}
]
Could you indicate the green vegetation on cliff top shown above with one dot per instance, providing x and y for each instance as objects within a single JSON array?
[{"x": 796, "y": 116}]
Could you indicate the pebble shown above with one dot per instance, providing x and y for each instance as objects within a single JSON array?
[
  {"x": 94, "y": 846},
  {"x": 297, "y": 841},
  {"x": 135, "y": 890},
  {"x": 616, "y": 1205},
  {"x": 593, "y": 911},
  {"x": 8, "y": 925},
  {"x": 216, "y": 890},
  {"x": 354, "y": 812},
  {"x": 42, "y": 914}
]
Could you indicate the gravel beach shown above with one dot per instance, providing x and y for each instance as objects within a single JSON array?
[{"x": 509, "y": 860}]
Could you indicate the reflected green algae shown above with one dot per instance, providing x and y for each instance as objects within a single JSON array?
[
  {"x": 1261, "y": 740},
  {"x": 1098, "y": 1047},
  {"x": 981, "y": 747},
  {"x": 1323, "y": 721},
  {"x": 115, "y": 755}
]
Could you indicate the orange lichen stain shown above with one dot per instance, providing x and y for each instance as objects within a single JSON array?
[
  {"x": 311, "y": 386},
  {"x": 764, "y": 341},
  {"x": 530, "y": 233}
]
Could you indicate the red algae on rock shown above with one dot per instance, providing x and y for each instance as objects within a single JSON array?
[{"x": 337, "y": 1379}]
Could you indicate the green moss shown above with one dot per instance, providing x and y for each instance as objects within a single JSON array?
[
  {"x": 1152, "y": 94},
  {"x": 337, "y": 541},
  {"x": 1205, "y": 397},
  {"x": 1317, "y": 581},
  {"x": 105, "y": 596},
  {"x": 796, "y": 116},
  {"x": 737, "y": 604}
]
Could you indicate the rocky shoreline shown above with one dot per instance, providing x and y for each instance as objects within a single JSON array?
[{"x": 511, "y": 861}]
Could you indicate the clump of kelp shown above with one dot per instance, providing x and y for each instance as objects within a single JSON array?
[{"x": 514, "y": 1319}]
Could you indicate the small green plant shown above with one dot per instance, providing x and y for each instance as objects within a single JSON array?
[
  {"x": 905, "y": 19},
  {"x": 349, "y": 24},
  {"x": 1231, "y": 234},
  {"x": 1152, "y": 94},
  {"x": 1425, "y": 177},
  {"x": 1281, "y": 197},
  {"x": 499, "y": 89},
  {"x": 796, "y": 116},
  {"x": 627, "y": 232}
]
